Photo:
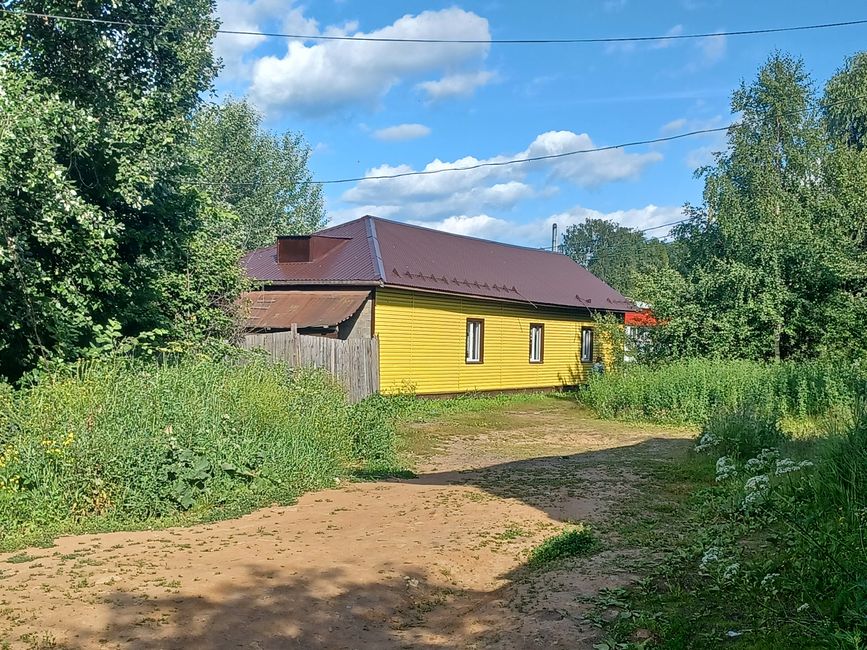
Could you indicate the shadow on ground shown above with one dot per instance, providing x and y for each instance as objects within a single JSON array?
[
  {"x": 569, "y": 487},
  {"x": 274, "y": 606}
]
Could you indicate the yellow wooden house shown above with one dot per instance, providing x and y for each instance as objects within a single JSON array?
[{"x": 452, "y": 313}]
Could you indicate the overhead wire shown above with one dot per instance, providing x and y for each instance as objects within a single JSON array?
[
  {"x": 456, "y": 41},
  {"x": 501, "y": 163}
]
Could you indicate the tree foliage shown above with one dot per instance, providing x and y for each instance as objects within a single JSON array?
[
  {"x": 620, "y": 256},
  {"x": 260, "y": 176},
  {"x": 771, "y": 265},
  {"x": 99, "y": 218}
]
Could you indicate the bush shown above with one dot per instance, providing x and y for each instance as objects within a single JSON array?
[
  {"x": 742, "y": 432},
  {"x": 117, "y": 443},
  {"x": 690, "y": 392}
]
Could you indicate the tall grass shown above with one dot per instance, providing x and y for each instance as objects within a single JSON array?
[
  {"x": 116, "y": 443},
  {"x": 781, "y": 545},
  {"x": 689, "y": 392}
]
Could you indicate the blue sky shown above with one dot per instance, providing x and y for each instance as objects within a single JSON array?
[{"x": 379, "y": 108}]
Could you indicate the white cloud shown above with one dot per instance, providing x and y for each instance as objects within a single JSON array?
[
  {"x": 677, "y": 30},
  {"x": 331, "y": 75},
  {"x": 706, "y": 51},
  {"x": 589, "y": 169},
  {"x": 538, "y": 232},
  {"x": 253, "y": 16},
  {"x": 675, "y": 126},
  {"x": 682, "y": 124},
  {"x": 435, "y": 195},
  {"x": 627, "y": 47},
  {"x": 402, "y": 132},
  {"x": 456, "y": 85},
  {"x": 500, "y": 196}
]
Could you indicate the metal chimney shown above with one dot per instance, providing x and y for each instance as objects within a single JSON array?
[{"x": 554, "y": 238}]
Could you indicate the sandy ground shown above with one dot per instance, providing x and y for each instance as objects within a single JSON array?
[{"x": 433, "y": 562}]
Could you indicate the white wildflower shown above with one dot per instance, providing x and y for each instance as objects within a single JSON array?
[
  {"x": 725, "y": 469},
  {"x": 786, "y": 465},
  {"x": 758, "y": 483},
  {"x": 730, "y": 572},
  {"x": 763, "y": 462},
  {"x": 756, "y": 489},
  {"x": 706, "y": 441},
  {"x": 711, "y": 556}
]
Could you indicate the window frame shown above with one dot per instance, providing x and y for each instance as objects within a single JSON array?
[
  {"x": 481, "y": 341},
  {"x": 541, "y": 328},
  {"x": 589, "y": 357}
]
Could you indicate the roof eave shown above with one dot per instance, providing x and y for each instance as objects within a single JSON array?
[{"x": 519, "y": 300}]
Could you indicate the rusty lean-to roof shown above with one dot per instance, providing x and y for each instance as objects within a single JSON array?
[
  {"x": 396, "y": 254},
  {"x": 280, "y": 309}
]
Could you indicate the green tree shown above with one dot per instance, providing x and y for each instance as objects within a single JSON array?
[
  {"x": 843, "y": 210},
  {"x": 58, "y": 254},
  {"x": 261, "y": 176},
  {"x": 774, "y": 263},
  {"x": 620, "y": 256},
  {"x": 100, "y": 220}
]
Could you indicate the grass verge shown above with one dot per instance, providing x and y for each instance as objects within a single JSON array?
[{"x": 118, "y": 444}]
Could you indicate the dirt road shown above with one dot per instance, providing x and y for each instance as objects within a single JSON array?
[{"x": 431, "y": 562}]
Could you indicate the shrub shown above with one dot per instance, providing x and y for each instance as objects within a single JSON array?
[
  {"x": 373, "y": 431},
  {"x": 117, "y": 443},
  {"x": 742, "y": 432}
]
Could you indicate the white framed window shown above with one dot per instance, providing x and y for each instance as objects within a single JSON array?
[
  {"x": 537, "y": 342},
  {"x": 586, "y": 344},
  {"x": 475, "y": 340}
]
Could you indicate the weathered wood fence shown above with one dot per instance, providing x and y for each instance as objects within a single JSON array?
[{"x": 353, "y": 362}]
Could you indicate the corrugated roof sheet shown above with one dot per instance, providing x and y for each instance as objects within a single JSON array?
[
  {"x": 280, "y": 309},
  {"x": 353, "y": 261},
  {"x": 402, "y": 255}
]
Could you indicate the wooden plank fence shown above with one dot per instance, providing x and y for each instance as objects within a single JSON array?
[{"x": 353, "y": 362}]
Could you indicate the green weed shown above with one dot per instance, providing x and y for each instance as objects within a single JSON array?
[
  {"x": 772, "y": 552},
  {"x": 120, "y": 444},
  {"x": 690, "y": 392},
  {"x": 572, "y": 542}
]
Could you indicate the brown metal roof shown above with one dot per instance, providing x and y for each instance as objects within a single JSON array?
[
  {"x": 280, "y": 309},
  {"x": 401, "y": 255},
  {"x": 350, "y": 263}
]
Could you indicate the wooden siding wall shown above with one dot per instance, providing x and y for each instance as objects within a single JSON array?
[
  {"x": 353, "y": 362},
  {"x": 423, "y": 344}
]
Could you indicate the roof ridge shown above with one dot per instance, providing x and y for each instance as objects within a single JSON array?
[
  {"x": 373, "y": 240},
  {"x": 453, "y": 234}
]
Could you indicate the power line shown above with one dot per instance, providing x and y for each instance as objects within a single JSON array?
[
  {"x": 564, "y": 154},
  {"x": 457, "y": 41},
  {"x": 498, "y": 163},
  {"x": 518, "y": 161}
]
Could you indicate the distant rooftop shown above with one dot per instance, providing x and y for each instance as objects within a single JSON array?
[{"x": 382, "y": 252}]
